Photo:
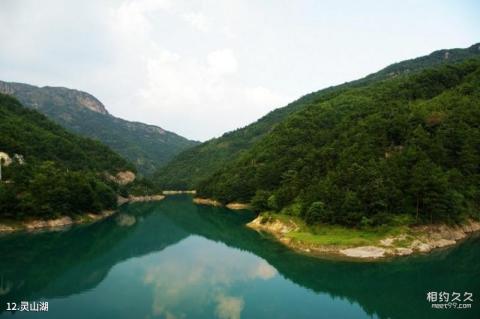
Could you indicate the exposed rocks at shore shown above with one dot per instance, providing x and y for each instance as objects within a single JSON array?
[
  {"x": 6, "y": 228},
  {"x": 421, "y": 239},
  {"x": 364, "y": 252},
  {"x": 102, "y": 215},
  {"x": 135, "y": 199},
  {"x": 207, "y": 201},
  {"x": 66, "y": 221},
  {"x": 50, "y": 223},
  {"x": 54, "y": 224},
  {"x": 237, "y": 206},
  {"x": 212, "y": 202},
  {"x": 272, "y": 225},
  {"x": 172, "y": 192}
]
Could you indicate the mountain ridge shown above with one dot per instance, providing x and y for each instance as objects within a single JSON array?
[
  {"x": 83, "y": 98},
  {"x": 191, "y": 167},
  {"x": 52, "y": 172},
  {"x": 146, "y": 146},
  {"x": 407, "y": 147}
]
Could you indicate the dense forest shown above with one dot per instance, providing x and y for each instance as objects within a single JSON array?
[
  {"x": 407, "y": 145},
  {"x": 198, "y": 163},
  {"x": 148, "y": 147},
  {"x": 52, "y": 172}
]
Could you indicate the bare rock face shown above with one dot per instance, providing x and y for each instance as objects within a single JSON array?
[
  {"x": 5, "y": 159},
  {"x": 5, "y": 88},
  {"x": 33, "y": 96},
  {"x": 123, "y": 178},
  {"x": 88, "y": 101},
  {"x": 64, "y": 96}
]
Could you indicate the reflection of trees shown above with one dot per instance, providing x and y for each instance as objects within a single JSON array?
[
  {"x": 43, "y": 265},
  {"x": 52, "y": 264},
  {"x": 394, "y": 289}
]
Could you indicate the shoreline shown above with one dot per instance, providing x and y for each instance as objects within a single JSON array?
[
  {"x": 416, "y": 240},
  {"x": 53, "y": 224},
  {"x": 215, "y": 203},
  {"x": 67, "y": 221},
  {"x": 174, "y": 192},
  {"x": 136, "y": 199}
]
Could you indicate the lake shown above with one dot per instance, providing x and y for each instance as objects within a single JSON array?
[{"x": 173, "y": 259}]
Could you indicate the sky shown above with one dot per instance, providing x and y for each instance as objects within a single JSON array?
[{"x": 202, "y": 68}]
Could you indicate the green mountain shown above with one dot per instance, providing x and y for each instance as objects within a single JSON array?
[
  {"x": 47, "y": 171},
  {"x": 408, "y": 145},
  {"x": 198, "y": 163},
  {"x": 147, "y": 146}
]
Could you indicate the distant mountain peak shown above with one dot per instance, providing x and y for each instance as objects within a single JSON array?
[
  {"x": 62, "y": 95},
  {"x": 146, "y": 146},
  {"x": 82, "y": 98}
]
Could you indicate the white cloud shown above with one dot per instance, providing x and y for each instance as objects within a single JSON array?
[
  {"x": 222, "y": 61},
  {"x": 202, "y": 93},
  {"x": 200, "y": 280},
  {"x": 201, "y": 68},
  {"x": 197, "y": 20},
  {"x": 229, "y": 307},
  {"x": 263, "y": 270},
  {"x": 196, "y": 95}
]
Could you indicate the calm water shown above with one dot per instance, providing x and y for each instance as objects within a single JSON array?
[{"x": 175, "y": 260}]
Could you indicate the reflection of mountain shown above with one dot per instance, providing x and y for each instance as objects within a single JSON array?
[
  {"x": 60, "y": 264},
  {"x": 53, "y": 264},
  {"x": 390, "y": 289}
]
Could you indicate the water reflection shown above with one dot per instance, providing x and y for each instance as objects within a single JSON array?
[
  {"x": 203, "y": 278},
  {"x": 176, "y": 260}
]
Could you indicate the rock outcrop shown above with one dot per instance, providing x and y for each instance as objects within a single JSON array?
[
  {"x": 215, "y": 203},
  {"x": 207, "y": 201},
  {"x": 122, "y": 178},
  {"x": 172, "y": 192},
  {"x": 5, "y": 159},
  {"x": 134, "y": 199},
  {"x": 237, "y": 206}
]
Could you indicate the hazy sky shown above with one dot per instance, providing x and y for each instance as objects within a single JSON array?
[{"x": 201, "y": 68}]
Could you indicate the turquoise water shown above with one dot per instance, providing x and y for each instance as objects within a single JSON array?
[{"x": 173, "y": 259}]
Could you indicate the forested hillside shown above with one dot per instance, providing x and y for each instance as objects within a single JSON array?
[
  {"x": 190, "y": 167},
  {"x": 147, "y": 146},
  {"x": 50, "y": 171},
  {"x": 407, "y": 145}
]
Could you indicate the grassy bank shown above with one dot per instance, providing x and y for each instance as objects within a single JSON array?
[
  {"x": 397, "y": 238},
  {"x": 335, "y": 235}
]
